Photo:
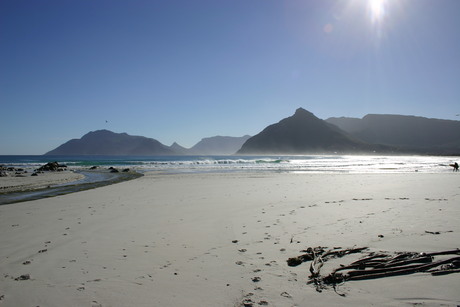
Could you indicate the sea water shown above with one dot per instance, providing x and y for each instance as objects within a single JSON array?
[{"x": 296, "y": 164}]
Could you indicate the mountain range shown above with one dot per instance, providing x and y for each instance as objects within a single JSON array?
[
  {"x": 304, "y": 133},
  {"x": 105, "y": 142},
  {"x": 412, "y": 133},
  {"x": 301, "y": 133}
]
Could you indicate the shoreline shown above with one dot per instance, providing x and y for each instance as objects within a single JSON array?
[
  {"x": 223, "y": 239},
  {"x": 311, "y": 164},
  {"x": 52, "y": 184},
  {"x": 25, "y": 181}
]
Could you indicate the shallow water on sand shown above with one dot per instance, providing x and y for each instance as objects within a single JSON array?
[{"x": 92, "y": 179}]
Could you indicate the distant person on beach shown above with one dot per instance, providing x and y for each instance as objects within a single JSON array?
[{"x": 455, "y": 167}]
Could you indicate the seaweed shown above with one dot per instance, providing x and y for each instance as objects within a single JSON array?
[{"x": 374, "y": 265}]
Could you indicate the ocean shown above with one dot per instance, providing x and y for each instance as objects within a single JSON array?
[{"x": 306, "y": 164}]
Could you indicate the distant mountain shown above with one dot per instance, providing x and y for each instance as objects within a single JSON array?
[
  {"x": 218, "y": 145},
  {"x": 178, "y": 149},
  {"x": 304, "y": 133},
  {"x": 104, "y": 142},
  {"x": 418, "y": 134}
]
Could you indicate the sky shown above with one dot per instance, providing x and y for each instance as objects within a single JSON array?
[{"x": 179, "y": 71}]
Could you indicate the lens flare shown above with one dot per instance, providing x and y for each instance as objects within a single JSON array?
[{"x": 376, "y": 10}]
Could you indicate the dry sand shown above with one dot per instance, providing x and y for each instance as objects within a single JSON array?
[{"x": 202, "y": 239}]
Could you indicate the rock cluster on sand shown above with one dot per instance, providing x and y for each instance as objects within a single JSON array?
[
  {"x": 14, "y": 179},
  {"x": 20, "y": 172},
  {"x": 11, "y": 171},
  {"x": 52, "y": 166}
]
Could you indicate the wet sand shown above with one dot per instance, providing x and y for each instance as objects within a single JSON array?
[
  {"x": 224, "y": 239},
  {"x": 26, "y": 182},
  {"x": 50, "y": 184}
]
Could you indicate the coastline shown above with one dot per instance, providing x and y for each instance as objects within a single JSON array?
[
  {"x": 26, "y": 182},
  {"x": 223, "y": 239},
  {"x": 52, "y": 183}
]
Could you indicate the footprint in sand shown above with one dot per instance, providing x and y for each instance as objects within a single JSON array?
[
  {"x": 286, "y": 295},
  {"x": 95, "y": 304}
]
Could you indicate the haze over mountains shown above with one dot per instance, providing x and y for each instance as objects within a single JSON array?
[
  {"x": 301, "y": 133},
  {"x": 418, "y": 134},
  {"x": 104, "y": 142},
  {"x": 218, "y": 145}
]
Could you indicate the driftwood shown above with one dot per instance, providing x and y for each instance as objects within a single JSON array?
[{"x": 374, "y": 265}]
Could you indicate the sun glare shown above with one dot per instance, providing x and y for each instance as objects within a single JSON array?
[{"x": 376, "y": 9}]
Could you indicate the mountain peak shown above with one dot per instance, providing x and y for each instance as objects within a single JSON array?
[
  {"x": 102, "y": 131},
  {"x": 105, "y": 142},
  {"x": 300, "y": 134},
  {"x": 302, "y": 112}
]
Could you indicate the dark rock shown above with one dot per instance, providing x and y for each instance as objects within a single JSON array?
[{"x": 52, "y": 166}]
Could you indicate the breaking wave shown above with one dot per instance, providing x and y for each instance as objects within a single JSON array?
[{"x": 309, "y": 164}]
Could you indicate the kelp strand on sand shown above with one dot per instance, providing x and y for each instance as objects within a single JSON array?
[{"x": 374, "y": 264}]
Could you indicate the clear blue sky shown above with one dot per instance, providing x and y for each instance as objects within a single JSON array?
[{"x": 184, "y": 70}]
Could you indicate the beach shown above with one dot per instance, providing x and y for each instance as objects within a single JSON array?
[
  {"x": 26, "y": 182},
  {"x": 223, "y": 239}
]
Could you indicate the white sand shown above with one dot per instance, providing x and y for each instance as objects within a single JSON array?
[
  {"x": 166, "y": 240},
  {"x": 27, "y": 182}
]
